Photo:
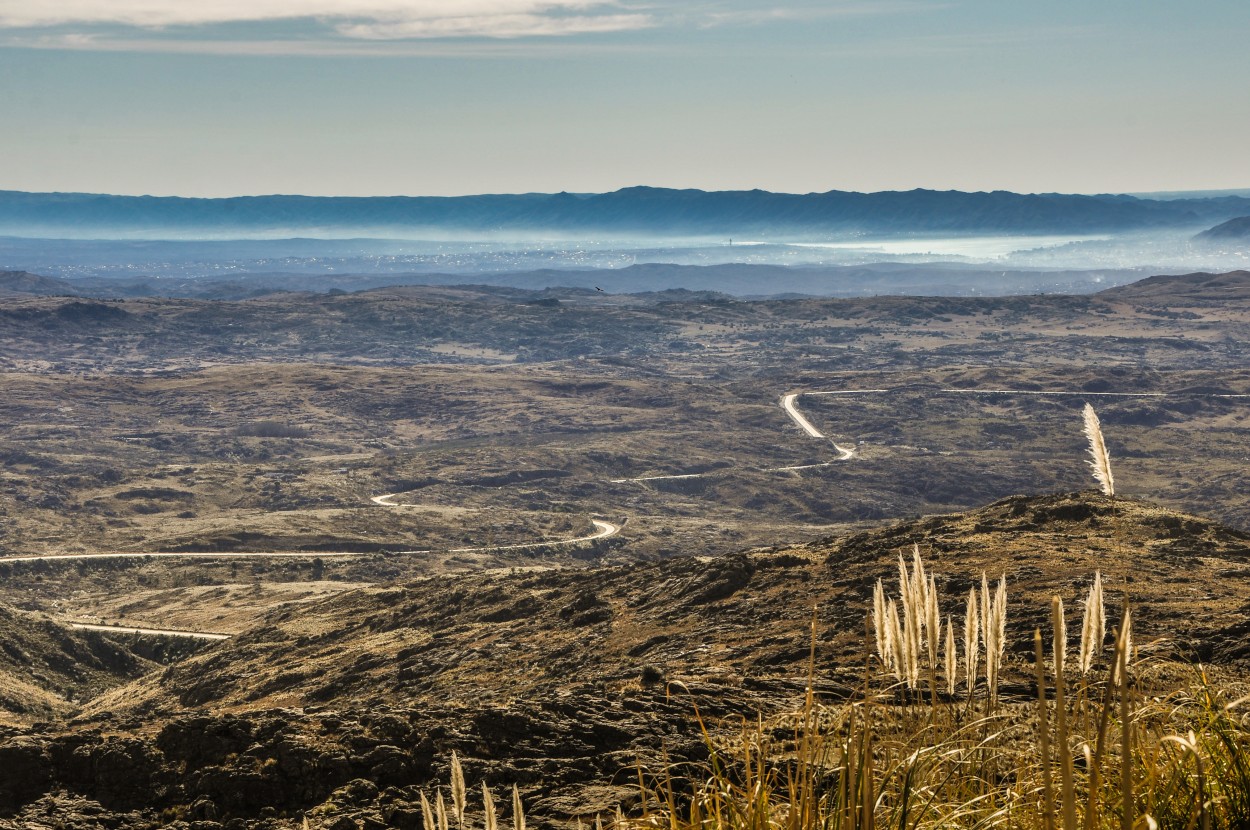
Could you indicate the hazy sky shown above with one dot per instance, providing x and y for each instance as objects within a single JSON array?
[{"x": 364, "y": 97}]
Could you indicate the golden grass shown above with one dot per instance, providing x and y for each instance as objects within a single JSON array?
[{"x": 1099, "y": 747}]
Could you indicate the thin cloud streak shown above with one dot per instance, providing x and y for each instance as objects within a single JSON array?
[
  {"x": 496, "y": 48},
  {"x": 368, "y": 19},
  {"x": 92, "y": 24},
  {"x": 497, "y": 26}
]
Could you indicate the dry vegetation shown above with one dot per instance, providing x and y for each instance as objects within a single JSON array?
[{"x": 186, "y": 426}]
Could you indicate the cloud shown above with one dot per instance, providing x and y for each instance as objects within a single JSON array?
[
  {"x": 499, "y": 26},
  {"x": 382, "y": 27},
  {"x": 368, "y": 19},
  {"x": 308, "y": 47}
]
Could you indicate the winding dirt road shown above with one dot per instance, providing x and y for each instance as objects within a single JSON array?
[
  {"x": 280, "y": 554},
  {"x": 161, "y": 632},
  {"x": 789, "y": 403},
  {"x": 603, "y": 530}
]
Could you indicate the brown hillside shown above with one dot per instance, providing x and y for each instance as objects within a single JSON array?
[
  {"x": 728, "y": 620},
  {"x": 48, "y": 670},
  {"x": 554, "y": 679},
  {"x": 1185, "y": 289}
]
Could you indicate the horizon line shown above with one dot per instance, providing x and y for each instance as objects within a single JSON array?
[{"x": 1150, "y": 194}]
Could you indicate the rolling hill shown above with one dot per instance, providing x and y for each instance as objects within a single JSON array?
[{"x": 562, "y": 680}]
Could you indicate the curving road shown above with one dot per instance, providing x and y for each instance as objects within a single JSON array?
[
  {"x": 162, "y": 632},
  {"x": 603, "y": 530},
  {"x": 655, "y": 478},
  {"x": 789, "y": 402},
  {"x": 280, "y": 554}
]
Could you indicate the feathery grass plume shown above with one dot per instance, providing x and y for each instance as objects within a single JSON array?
[
  {"x": 904, "y": 585},
  {"x": 458, "y": 792},
  {"x": 898, "y": 660},
  {"x": 1060, "y": 645},
  {"x": 904, "y": 600},
  {"x": 986, "y": 607},
  {"x": 518, "y": 810},
  {"x": 911, "y": 648},
  {"x": 920, "y": 579},
  {"x": 995, "y": 638},
  {"x": 879, "y": 625},
  {"x": 427, "y": 814},
  {"x": 912, "y": 622},
  {"x": 933, "y": 630},
  {"x": 488, "y": 808},
  {"x": 440, "y": 808},
  {"x": 1093, "y": 625},
  {"x": 952, "y": 657},
  {"x": 932, "y": 622},
  {"x": 1100, "y": 459},
  {"x": 972, "y": 638},
  {"x": 1000, "y": 613},
  {"x": 915, "y": 647},
  {"x": 1100, "y": 619},
  {"x": 1126, "y": 631}
]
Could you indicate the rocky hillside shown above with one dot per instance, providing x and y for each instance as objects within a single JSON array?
[
  {"x": 47, "y": 670},
  {"x": 561, "y": 681}
]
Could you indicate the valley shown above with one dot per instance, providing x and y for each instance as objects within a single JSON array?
[{"x": 411, "y": 520}]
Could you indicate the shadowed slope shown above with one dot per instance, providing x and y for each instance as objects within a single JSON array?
[
  {"x": 739, "y": 618},
  {"x": 554, "y": 679},
  {"x": 47, "y": 669}
]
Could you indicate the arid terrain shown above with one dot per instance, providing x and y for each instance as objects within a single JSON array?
[{"x": 503, "y": 522}]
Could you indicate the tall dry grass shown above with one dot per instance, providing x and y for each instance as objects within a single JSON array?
[{"x": 1096, "y": 747}]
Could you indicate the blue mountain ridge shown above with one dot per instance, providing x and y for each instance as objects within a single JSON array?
[{"x": 634, "y": 210}]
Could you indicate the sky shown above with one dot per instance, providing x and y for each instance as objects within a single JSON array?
[{"x": 427, "y": 97}]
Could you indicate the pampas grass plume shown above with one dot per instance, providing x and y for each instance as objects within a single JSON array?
[
  {"x": 457, "y": 788},
  {"x": 1100, "y": 459},
  {"x": 972, "y": 638},
  {"x": 1093, "y": 625},
  {"x": 1061, "y": 636},
  {"x": 488, "y": 807},
  {"x": 518, "y": 811},
  {"x": 952, "y": 657},
  {"x": 427, "y": 814},
  {"x": 880, "y": 626}
]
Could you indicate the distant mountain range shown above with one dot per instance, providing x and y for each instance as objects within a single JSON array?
[{"x": 635, "y": 211}]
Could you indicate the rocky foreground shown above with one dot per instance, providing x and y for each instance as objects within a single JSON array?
[{"x": 564, "y": 681}]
